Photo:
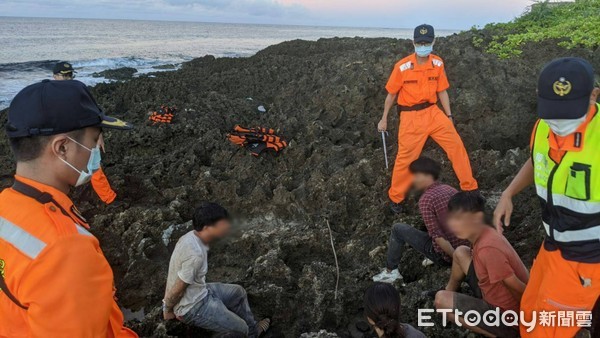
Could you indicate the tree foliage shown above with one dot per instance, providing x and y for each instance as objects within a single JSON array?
[{"x": 571, "y": 24}]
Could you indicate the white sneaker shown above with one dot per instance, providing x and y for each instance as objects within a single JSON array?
[
  {"x": 387, "y": 277},
  {"x": 427, "y": 262}
]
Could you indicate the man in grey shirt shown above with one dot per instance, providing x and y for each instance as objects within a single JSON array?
[{"x": 213, "y": 306}]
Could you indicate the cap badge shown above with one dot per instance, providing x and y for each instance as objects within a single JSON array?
[
  {"x": 67, "y": 65},
  {"x": 116, "y": 123},
  {"x": 562, "y": 87},
  {"x": 423, "y": 31}
]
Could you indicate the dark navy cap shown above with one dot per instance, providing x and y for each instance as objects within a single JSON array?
[
  {"x": 63, "y": 68},
  {"x": 564, "y": 89},
  {"x": 424, "y": 33},
  {"x": 55, "y": 107}
]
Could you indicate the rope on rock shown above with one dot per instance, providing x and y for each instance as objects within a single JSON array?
[{"x": 337, "y": 266}]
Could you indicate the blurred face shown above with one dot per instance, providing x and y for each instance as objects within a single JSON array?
[
  {"x": 465, "y": 225},
  {"x": 422, "y": 181},
  {"x": 219, "y": 230}
]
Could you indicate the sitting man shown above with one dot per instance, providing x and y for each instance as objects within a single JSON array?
[
  {"x": 213, "y": 306},
  {"x": 438, "y": 243},
  {"x": 501, "y": 274}
]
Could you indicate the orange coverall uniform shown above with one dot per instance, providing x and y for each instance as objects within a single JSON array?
[
  {"x": 55, "y": 267},
  {"x": 102, "y": 187},
  {"x": 416, "y": 84},
  {"x": 554, "y": 283}
]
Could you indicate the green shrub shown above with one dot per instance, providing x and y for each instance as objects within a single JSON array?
[
  {"x": 477, "y": 41},
  {"x": 572, "y": 24}
]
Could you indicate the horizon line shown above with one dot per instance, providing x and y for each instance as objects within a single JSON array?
[{"x": 226, "y": 23}]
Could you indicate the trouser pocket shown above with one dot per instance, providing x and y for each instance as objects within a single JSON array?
[{"x": 579, "y": 181}]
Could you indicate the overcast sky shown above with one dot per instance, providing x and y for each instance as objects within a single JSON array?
[{"x": 453, "y": 14}]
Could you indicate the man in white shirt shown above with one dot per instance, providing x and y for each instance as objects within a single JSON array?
[{"x": 213, "y": 306}]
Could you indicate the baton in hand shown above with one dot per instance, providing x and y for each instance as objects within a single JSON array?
[{"x": 384, "y": 148}]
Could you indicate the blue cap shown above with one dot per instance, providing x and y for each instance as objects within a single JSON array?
[
  {"x": 55, "y": 107},
  {"x": 424, "y": 33},
  {"x": 564, "y": 89},
  {"x": 63, "y": 68}
]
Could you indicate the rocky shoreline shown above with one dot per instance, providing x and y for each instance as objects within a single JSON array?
[{"x": 326, "y": 97}]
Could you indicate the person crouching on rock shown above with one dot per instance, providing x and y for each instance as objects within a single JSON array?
[
  {"x": 493, "y": 262},
  {"x": 212, "y": 306},
  {"x": 64, "y": 71},
  {"x": 382, "y": 309},
  {"x": 416, "y": 83},
  {"x": 438, "y": 243}
]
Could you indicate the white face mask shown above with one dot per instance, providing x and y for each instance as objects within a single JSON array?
[
  {"x": 92, "y": 166},
  {"x": 565, "y": 127}
]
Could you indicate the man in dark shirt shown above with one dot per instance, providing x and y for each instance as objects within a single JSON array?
[{"x": 438, "y": 243}]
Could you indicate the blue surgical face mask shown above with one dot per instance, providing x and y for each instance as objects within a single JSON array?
[
  {"x": 92, "y": 166},
  {"x": 423, "y": 50}
]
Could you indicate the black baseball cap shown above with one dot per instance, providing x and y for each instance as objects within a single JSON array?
[
  {"x": 564, "y": 89},
  {"x": 424, "y": 33},
  {"x": 55, "y": 107},
  {"x": 63, "y": 68}
]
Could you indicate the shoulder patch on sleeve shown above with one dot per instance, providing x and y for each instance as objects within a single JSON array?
[
  {"x": 438, "y": 63},
  {"x": 406, "y": 66}
]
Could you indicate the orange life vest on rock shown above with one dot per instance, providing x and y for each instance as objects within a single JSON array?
[{"x": 257, "y": 140}]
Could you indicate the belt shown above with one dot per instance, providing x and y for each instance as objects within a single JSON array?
[{"x": 416, "y": 107}]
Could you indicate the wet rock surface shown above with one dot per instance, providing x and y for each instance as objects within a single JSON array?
[
  {"x": 123, "y": 73},
  {"x": 326, "y": 97}
]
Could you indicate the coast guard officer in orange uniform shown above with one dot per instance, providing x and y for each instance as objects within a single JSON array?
[
  {"x": 54, "y": 277},
  {"x": 565, "y": 168},
  {"x": 416, "y": 84}
]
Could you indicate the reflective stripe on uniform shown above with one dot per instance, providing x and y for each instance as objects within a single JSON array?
[
  {"x": 82, "y": 230},
  {"x": 20, "y": 239},
  {"x": 405, "y": 66},
  {"x": 588, "y": 234},
  {"x": 542, "y": 192},
  {"x": 579, "y": 206}
]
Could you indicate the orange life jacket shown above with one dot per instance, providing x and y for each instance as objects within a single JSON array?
[
  {"x": 257, "y": 140},
  {"x": 164, "y": 115}
]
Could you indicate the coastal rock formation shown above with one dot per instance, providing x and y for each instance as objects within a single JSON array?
[
  {"x": 120, "y": 74},
  {"x": 326, "y": 97}
]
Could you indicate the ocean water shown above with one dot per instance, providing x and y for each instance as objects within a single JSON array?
[{"x": 29, "y": 47}]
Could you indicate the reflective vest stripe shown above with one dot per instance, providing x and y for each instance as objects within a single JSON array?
[
  {"x": 20, "y": 239},
  {"x": 579, "y": 206},
  {"x": 588, "y": 234},
  {"x": 83, "y": 231}
]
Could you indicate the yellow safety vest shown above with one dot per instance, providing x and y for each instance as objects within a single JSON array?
[{"x": 569, "y": 192}]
